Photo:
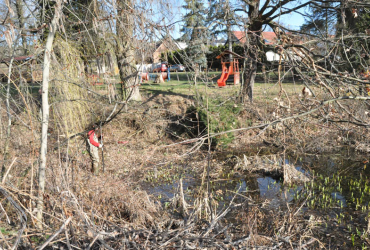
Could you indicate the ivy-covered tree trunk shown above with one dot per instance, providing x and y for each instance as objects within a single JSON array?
[
  {"x": 252, "y": 48},
  {"x": 125, "y": 52}
]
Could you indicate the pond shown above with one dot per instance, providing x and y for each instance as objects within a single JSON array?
[{"x": 336, "y": 199}]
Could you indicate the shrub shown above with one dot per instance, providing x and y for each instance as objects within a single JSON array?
[{"x": 223, "y": 116}]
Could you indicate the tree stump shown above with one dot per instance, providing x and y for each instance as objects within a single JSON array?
[{"x": 159, "y": 79}]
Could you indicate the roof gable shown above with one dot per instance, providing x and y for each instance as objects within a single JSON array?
[
  {"x": 17, "y": 59},
  {"x": 240, "y": 35},
  {"x": 268, "y": 36}
]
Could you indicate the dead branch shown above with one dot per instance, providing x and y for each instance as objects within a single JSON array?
[
  {"x": 56, "y": 233},
  {"x": 21, "y": 214}
]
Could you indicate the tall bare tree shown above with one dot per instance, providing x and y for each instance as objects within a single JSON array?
[
  {"x": 45, "y": 107},
  {"x": 257, "y": 17},
  {"x": 21, "y": 21},
  {"x": 125, "y": 51}
]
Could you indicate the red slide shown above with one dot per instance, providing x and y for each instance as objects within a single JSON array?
[{"x": 224, "y": 76}]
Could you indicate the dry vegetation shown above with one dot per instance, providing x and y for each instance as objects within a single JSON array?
[
  {"x": 112, "y": 210},
  {"x": 185, "y": 164}
]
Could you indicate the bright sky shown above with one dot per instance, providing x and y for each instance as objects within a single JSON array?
[{"x": 292, "y": 21}]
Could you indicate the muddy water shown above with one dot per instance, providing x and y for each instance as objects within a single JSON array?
[{"x": 338, "y": 196}]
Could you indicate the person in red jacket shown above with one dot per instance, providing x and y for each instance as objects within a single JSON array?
[{"x": 92, "y": 147}]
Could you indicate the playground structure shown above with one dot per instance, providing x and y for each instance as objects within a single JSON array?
[
  {"x": 153, "y": 76},
  {"x": 230, "y": 67}
]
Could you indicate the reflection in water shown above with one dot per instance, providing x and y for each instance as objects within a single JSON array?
[
  {"x": 337, "y": 196},
  {"x": 269, "y": 188},
  {"x": 242, "y": 186},
  {"x": 272, "y": 190},
  {"x": 333, "y": 178}
]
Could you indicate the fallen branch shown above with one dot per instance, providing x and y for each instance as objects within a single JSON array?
[
  {"x": 56, "y": 234},
  {"x": 21, "y": 214},
  {"x": 7, "y": 172}
]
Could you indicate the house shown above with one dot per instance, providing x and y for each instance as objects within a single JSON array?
[
  {"x": 150, "y": 52},
  {"x": 269, "y": 38},
  {"x": 155, "y": 53},
  {"x": 272, "y": 56},
  {"x": 219, "y": 42},
  {"x": 166, "y": 45},
  {"x": 23, "y": 66}
]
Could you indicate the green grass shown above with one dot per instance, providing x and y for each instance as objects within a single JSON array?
[
  {"x": 181, "y": 84},
  {"x": 5, "y": 231},
  {"x": 261, "y": 90}
]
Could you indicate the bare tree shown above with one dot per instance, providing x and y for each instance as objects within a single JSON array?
[
  {"x": 20, "y": 15},
  {"x": 8, "y": 111},
  {"x": 125, "y": 50},
  {"x": 45, "y": 107},
  {"x": 258, "y": 17}
]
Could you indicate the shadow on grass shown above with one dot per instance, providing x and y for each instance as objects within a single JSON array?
[
  {"x": 166, "y": 91},
  {"x": 187, "y": 76}
]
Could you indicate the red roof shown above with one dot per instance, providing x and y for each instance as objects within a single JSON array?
[
  {"x": 17, "y": 58},
  {"x": 268, "y": 36},
  {"x": 240, "y": 35}
]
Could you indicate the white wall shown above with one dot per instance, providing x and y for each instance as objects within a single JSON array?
[
  {"x": 144, "y": 67},
  {"x": 272, "y": 56}
]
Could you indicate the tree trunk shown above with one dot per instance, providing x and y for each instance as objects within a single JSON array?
[
  {"x": 20, "y": 14},
  {"x": 45, "y": 113},
  {"x": 252, "y": 47},
  {"x": 126, "y": 53},
  {"x": 8, "y": 131},
  {"x": 249, "y": 77},
  {"x": 251, "y": 67},
  {"x": 230, "y": 41}
]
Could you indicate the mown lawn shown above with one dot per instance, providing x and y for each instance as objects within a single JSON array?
[
  {"x": 186, "y": 87},
  {"x": 182, "y": 83}
]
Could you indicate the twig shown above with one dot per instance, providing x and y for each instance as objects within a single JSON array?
[
  {"x": 147, "y": 240},
  {"x": 309, "y": 242},
  {"x": 92, "y": 242},
  {"x": 7, "y": 171},
  {"x": 323, "y": 103},
  {"x": 184, "y": 204},
  {"x": 20, "y": 213},
  {"x": 6, "y": 242},
  {"x": 221, "y": 215},
  {"x": 236, "y": 242},
  {"x": 56, "y": 234},
  {"x": 67, "y": 240},
  {"x": 177, "y": 235},
  {"x": 72, "y": 246},
  {"x": 102, "y": 149},
  {"x": 6, "y": 215}
]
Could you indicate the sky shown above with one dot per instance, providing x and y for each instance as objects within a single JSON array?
[{"x": 291, "y": 21}]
